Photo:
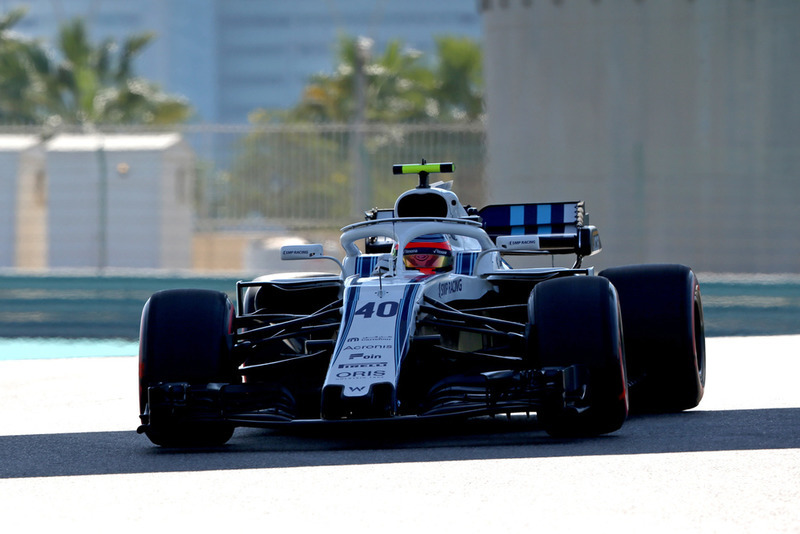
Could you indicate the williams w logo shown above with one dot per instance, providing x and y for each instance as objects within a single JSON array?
[{"x": 357, "y": 389}]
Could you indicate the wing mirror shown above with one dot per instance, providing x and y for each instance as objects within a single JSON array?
[{"x": 306, "y": 252}]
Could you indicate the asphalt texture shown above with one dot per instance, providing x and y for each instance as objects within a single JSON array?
[{"x": 70, "y": 456}]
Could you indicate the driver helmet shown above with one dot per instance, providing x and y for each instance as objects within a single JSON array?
[{"x": 428, "y": 253}]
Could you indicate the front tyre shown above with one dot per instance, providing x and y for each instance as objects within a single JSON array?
[
  {"x": 575, "y": 321},
  {"x": 185, "y": 337}
]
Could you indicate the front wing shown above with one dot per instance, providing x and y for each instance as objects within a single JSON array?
[{"x": 464, "y": 396}]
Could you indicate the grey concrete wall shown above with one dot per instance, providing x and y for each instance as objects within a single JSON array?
[{"x": 678, "y": 122}]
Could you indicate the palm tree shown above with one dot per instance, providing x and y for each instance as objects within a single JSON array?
[
  {"x": 96, "y": 84},
  {"x": 397, "y": 85},
  {"x": 390, "y": 87},
  {"x": 82, "y": 83},
  {"x": 459, "y": 79},
  {"x": 16, "y": 81}
]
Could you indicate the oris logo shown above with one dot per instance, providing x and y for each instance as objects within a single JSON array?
[{"x": 361, "y": 374}]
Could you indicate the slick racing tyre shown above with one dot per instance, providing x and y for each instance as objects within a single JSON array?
[
  {"x": 662, "y": 317},
  {"x": 185, "y": 338},
  {"x": 575, "y": 320}
]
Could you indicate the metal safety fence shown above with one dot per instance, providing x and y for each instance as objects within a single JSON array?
[
  {"x": 200, "y": 196},
  {"x": 310, "y": 174},
  {"x": 322, "y": 175}
]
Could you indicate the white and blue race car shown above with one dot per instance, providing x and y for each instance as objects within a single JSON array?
[{"x": 427, "y": 319}]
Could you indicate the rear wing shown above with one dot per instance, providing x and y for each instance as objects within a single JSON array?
[{"x": 549, "y": 228}]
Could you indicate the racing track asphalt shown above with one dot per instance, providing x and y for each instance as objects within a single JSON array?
[{"x": 69, "y": 456}]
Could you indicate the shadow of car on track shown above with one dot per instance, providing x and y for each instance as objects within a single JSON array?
[{"x": 499, "y": 438}]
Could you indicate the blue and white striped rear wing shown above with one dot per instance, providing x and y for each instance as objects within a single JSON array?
[{"x": 554, "y": 228}]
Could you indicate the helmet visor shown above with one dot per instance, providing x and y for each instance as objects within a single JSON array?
[
  {"x": 426, "y": 261},
  {"x": 429, "y": 255}
]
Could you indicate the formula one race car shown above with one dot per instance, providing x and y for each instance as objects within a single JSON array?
[{"x": 427, "y": 320}]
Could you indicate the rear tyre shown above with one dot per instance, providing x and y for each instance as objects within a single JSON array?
[
  {"x": 575, "y": 320},
  {"x": 185, "y": 337},
  {"x": 664, "y": 335}
]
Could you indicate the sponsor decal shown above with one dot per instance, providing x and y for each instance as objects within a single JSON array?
[
  {"x": 355, "y": 375},
  {"x": 368, "y": 338},
  {"x": 388, "y": 346},
  {"x": 361, "y": 355},
  {"x": 524, "y": 242},
  {"x": 451, "y": 286},
  {"x": 362, "y": 365}
]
